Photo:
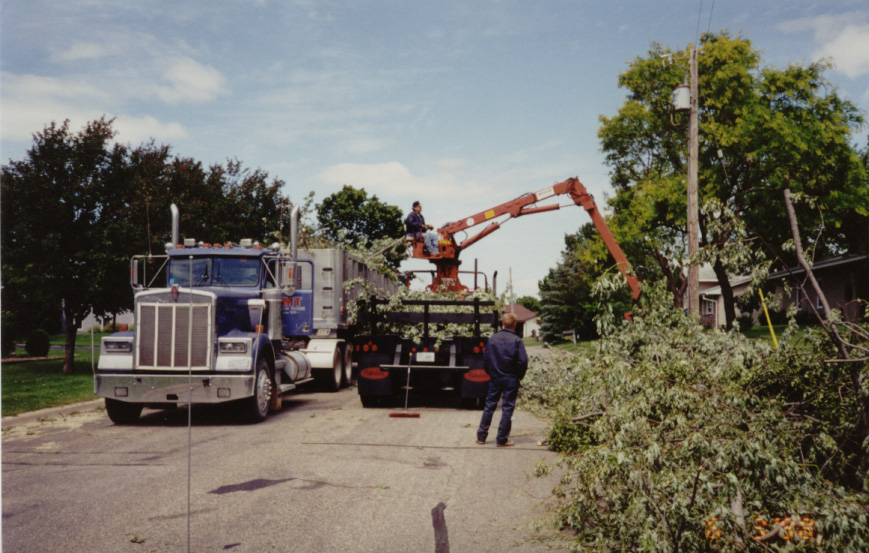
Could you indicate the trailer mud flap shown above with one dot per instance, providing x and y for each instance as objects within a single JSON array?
[
  {"x": 475, "y": 384},
  {"x": 374, "y": 381}
]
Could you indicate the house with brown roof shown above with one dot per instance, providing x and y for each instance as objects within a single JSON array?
[
  {"x": 844, "y": 281},
  {"x": 527, "y": 322}
]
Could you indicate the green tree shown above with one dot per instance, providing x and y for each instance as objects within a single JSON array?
[
  {"x": 530, "y": 303},
  {"x": 566, "y": 300},
  {"x": 762, "y": 130},
  {"x": 54, "y": 211},
  {"x": 353, "y": 218},
  {"x": 77, "y": 208}
]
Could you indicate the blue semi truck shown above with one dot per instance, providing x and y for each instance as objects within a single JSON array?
[{"x": 232, "y": 323}]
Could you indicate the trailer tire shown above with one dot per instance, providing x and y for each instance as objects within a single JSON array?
[
  {"x": 122, "y": 412},
  {"x": 256, "y": 407},
  {"x": 330, "y": 379},
  {"x": 347, "y": 374}
]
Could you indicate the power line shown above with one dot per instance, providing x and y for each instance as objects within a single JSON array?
[{"x": 712, "y": 9}]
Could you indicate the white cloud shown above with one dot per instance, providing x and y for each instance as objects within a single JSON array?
[
  {"x": 136, "y": 130},
  {"x": 35, "y": 86},
  {"x": 31, "y": 102},
  {"x": 843, "y": 38},
  {"x": 190, "y": 81},
  {"x": 364, "y": 146},
  {"x": 79, "y": 50},
  {"x": 849, "y": 50},
  {"x": 395, "y": 181}
]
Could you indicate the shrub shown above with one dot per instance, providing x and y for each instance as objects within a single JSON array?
[
  {"x": 38, "y": 343},
  {"x": 698, "y": 440},
  {"x": 745, "y": 320}
]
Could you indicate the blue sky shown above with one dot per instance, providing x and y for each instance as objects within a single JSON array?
[{"x": 461, "y": 105}]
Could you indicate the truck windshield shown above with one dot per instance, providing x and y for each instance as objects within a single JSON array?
[{"x": 214, "y": 271}]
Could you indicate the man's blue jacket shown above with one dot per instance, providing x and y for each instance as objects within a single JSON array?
[
  {"x": 505, "y": 355},
  {"x": 414, "y": 222}
]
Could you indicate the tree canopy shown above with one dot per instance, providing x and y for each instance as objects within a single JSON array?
[
  {"x": 762, "y": 130},
  {"x": 353, "y": 218},
  {"x": 79, "y": 206}
]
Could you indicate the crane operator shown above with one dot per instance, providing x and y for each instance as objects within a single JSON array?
[{"x": 416, "y": 228}]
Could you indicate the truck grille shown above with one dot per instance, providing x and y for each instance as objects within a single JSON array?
[{"x": 167, "y": 339}]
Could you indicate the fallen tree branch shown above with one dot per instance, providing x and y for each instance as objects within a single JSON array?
[
  {"x": 587, "y": 416},
  {"x": 830, "y": 326}
]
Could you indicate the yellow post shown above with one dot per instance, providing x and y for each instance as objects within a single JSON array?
[{"x": 768, "y": 322}]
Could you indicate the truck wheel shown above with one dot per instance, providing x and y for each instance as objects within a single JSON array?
[
  {"x": 330, "y": 380},
  {"x": 347, "y": 376},
  {"x": 257, "y": 406},
  {"x": 121, "y": 412}
]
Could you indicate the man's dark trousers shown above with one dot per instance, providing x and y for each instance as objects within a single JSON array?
[{"x": 506, "y": 386}]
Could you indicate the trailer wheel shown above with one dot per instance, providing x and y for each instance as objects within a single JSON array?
[
  {"x": 256, "y": 407},
  {"x": 330, "y": 379},
  {"x": 347, "y": 376},
  {"x": 122, "y": 412}
]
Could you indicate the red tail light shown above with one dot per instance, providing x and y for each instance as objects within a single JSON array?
[
  {"x": 477, "y": 375},
  {"x": 373, "y": 373}
]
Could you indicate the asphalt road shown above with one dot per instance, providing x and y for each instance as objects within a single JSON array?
[{"x": 322, "y": 475}]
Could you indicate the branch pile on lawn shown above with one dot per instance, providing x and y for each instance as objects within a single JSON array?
[{"x": 677, "y": 438}]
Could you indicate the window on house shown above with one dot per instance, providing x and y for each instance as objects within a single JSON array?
[{"x": 708, "y": 307}]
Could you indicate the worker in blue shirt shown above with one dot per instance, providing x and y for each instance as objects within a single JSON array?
[
  {"x": 415, "y": 226},
  {"x": 506, "y": 362}
]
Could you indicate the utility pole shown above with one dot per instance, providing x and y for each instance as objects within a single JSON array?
[{"x": 693, "y": 209}]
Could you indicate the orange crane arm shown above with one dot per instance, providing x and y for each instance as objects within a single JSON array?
[{"x": 526, "y": 205}]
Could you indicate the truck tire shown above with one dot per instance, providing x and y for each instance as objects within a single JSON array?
[
  {"x": 122, "y": 412},
  {"x": 347, "y": 375},
  {"x": 256, "y": 407},
  {"x": 330, "y": 379}
]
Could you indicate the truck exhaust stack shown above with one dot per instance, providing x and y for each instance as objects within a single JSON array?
[
  {"x": 175, "y": 232},
  {"x": 294, "y": 232}
]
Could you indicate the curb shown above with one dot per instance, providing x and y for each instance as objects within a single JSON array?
[{"x": 51, "y": 412}]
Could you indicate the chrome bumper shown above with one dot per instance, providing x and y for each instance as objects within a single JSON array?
[{"x": 171, "y": 388}]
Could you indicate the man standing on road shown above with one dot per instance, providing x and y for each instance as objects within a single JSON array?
[{"x": 505, "y": 361}]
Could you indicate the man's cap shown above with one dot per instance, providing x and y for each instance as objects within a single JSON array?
[{"x": 415, "y": 204}]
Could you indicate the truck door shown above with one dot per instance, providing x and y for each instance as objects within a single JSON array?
[{"x": 297, "y": 311}]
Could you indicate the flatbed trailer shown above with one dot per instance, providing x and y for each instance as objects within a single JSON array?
[{"x": 390, "y": 361}]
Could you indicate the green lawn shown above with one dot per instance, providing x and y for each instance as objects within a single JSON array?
[
  {"x": 32, "y": 385},
  {"x": 762, "y": 332}
]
